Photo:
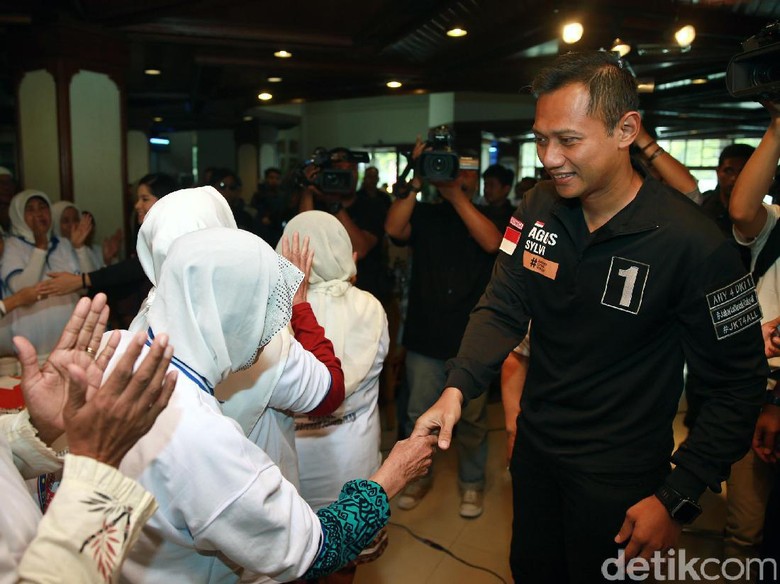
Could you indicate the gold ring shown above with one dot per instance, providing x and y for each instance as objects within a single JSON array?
[
  {"x": 39, "y": 297},
  {"x": 91, "y": 351}
]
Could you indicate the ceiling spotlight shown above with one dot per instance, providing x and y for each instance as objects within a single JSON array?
[
  {"x": 264, "y": 96},
  {"x": 685, "y": 35},
  {"x": 151, "y": 71},
  {"x": 622, "y": 48},
  {"x": 248, "y": 118},
  {"x": 283, "y": 54},
  {"x": 699, "y": 81},
  {"x": 297, "y": 100},
  {"x": 572, "y": 32},
  {"x": 157, "y": 119},
  {"x": 274, "y": 80},
  {"x": 456, "y": 32},
  {"x": 394, "y": 84}
]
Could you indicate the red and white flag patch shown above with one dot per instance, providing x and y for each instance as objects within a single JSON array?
[{"x": 510, "y": 241}]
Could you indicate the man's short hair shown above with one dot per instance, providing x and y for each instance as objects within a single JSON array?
[
  {"x": 611, "y": 86},
  {"x": 741, "y": 151},
  {"x": 271, "y": 170},
  {"x": 504, "y": 175}
]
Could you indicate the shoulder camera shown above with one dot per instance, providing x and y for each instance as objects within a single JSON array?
[
  {"x": 755, "y": 72},
  {"x": 442, "y": 163},
  {"x": 330, "y": 179}
]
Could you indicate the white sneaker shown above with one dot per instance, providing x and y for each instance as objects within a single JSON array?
[
  {"x": 413, "y": 494},
  {"x": 471, "y": 503}
]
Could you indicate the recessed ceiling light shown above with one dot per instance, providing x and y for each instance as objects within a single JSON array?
[
  {"x": 264, "y": 96},
  {"x": 274, "y": 80},
  {"x": 572, "y": 32},
  {"x": 622, "y": 48},
  {"x": 157, "y": 119},
  {"x": 248, "y": 118},
  {"x": 456, "y": 32},
  {"x": 685, "y": 35},
  {"x": 283, "y": 54},
  {"x": 419, "y": 91},
  {"x": 153, "y": 71},
  {"x": 394, "y": 84},
  {"x": 699, "y": 81},
  {"x": 298, "y": 100}
]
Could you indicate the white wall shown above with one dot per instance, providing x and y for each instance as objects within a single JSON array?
[
  {"x": 137, "y": 155},
  {"x": 40, "y": 154}
]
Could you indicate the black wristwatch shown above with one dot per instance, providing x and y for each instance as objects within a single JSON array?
[
  {"x": 771, "y": 398},
  {"x": 681, "y": 508},
  {"x": 335, "y": 207}
]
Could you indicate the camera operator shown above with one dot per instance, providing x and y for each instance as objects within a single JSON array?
[
  {"x": 454, "y": 246},
  {"x": 362, "y": 217}
]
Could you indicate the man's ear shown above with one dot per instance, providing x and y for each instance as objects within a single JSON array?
[{"x": 628, "y": 128}]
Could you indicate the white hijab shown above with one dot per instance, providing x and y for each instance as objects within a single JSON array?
[
  {"x": 353, "y": 319},
  {"x": 57, "y": 209},
  {"x": 222, "y": 294},
  {"x": 19, "y": 226},
  {"x": 172, "y": 216}
]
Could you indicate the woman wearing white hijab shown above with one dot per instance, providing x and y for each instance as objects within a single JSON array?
[
  {"x": 295, "y": 379},
  {"x": 222, "y": 295},
  {"x": 71, "y": 226},
  {"x": 345, "y": 445},
  {"x": 30, "y": 253}
]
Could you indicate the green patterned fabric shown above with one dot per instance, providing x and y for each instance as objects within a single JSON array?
[{"x": 349, "y": 525}]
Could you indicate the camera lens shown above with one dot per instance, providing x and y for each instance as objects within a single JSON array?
[
  {"x": 438, "y": 164},
  {"x": 766, "y": 73}
]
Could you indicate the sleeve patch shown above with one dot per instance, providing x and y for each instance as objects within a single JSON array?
[
  {"x": 734, "y": 308},
  {"x": 510, "y": 240}
]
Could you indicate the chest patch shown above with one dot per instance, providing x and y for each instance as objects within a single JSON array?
[
  {"x": 734, "y": 307},
  {"x": 625, "y": 286},
  {"x": 540, "y": 265}
]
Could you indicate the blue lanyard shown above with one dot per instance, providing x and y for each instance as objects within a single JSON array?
[{"x": 193, "y": 375}]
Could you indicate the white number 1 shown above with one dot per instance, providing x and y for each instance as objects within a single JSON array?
[{"x": 630, "y": 275}]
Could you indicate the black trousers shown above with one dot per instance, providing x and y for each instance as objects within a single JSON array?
[{"x": 566, "y": 519}]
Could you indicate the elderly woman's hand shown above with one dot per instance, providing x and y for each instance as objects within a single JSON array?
[
  {"x": 301, "y": 258},
  {"x": 409, "y": 459}
]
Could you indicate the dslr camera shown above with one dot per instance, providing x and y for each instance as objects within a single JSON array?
[
  {"x": 441, "y": 163},
  {"x": 331, "y": 180},
  {"x": 755, "y": 72}
]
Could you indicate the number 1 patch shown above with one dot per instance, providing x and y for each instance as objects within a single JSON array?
[{"x": 625, "y": 285}]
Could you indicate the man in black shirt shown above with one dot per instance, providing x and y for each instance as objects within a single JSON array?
[{"x": 625, "y": 280}]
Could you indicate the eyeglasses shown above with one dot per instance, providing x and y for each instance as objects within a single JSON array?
[{"x": 229, "y": 187}]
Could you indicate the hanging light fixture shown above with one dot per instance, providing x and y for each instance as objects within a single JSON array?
[
  {"x": 572, "y": 32},
  {"x": 620, "y": 47},
  {"x": 685, "y": 35}
]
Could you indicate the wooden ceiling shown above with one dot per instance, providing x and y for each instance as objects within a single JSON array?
[{"x": 217, "y": 55}]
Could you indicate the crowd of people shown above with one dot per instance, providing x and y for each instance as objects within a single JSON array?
[{"x": 228, "y": 428}]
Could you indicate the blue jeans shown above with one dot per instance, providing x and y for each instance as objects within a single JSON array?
[{"x": 426, "y": 377}]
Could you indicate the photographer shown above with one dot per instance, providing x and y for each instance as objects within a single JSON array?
[
  {"x": 362, "y": 216},
  {"x": 454, "y": 245}
]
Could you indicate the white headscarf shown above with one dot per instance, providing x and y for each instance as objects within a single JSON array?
[
  {"x": 222, "y": 294},
  {"x": 19, "y": 226},
  {"x": 171, "y": 217},
  {"x": 353, "y": 319},
  {"x": 57, "y": 209}
]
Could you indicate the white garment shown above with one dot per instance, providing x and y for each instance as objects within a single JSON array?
[
  {"x": 218, "y": 290},
  {"x": 88, "y": 261},
  {"x": 768, "y": 286},
  {"x": 172, "y": 216},
  {"x": 90, "y": 495},
  {"x": 25, "y": 265},
  {"x": 344, "y": 446}
]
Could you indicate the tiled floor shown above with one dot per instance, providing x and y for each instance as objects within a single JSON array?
[{"x": 485, "y": 541}]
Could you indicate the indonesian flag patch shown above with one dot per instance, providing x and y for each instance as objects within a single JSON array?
[{"x": 510, "y": 241}]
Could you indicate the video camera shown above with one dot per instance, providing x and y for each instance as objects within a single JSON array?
[
  {"x": 755, "y": 72},
  {"x": 442, "y": 163},
  {"x": 330, "y": 180}
]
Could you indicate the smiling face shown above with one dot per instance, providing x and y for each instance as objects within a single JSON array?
[
  {"x": 68, "y": 221},
  {"x": 573, "y": 145},
  {"x": 37, "y": 214},
  {"x": 144, "y": 202}
]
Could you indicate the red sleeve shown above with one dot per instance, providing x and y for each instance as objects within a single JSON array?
[{"x": 312, "y": 337}]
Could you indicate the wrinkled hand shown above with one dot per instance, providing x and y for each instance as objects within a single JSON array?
[
  {"x": 648, "y": 528},
  {"x": 771, "y": 338},
  {"x": 30, "y": 295},
  {"x": 111, "y": 247},
  {"x": 441, "y": 417},
  {"x": 60, "y": 283},
  {"x": 765, "y": 436},
  {"x": 44, "y": 388},
  {"x": 301, "y": 258},
  {"x": 124, "y": 408},
  {"x": 409, "y": 459},
  {"x": 80, "y": 233}
]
